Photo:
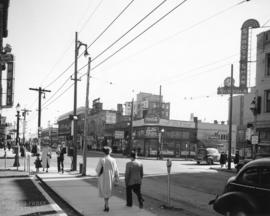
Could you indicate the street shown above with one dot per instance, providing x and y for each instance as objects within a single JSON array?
[{"x": 192, "y": 186}]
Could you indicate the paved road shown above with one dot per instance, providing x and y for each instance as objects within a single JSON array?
[{"x": 192, "y": 185}]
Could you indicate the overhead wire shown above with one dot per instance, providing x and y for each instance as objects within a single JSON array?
[
  {"x": 149, "y": 27},
  {"x": 129, "y": 30},
  {"x": 110, "y": 56},
  {"x": 110, "y": 24}
]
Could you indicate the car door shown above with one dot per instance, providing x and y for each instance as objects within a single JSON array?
[
  {"x": 246, "y": 181},
  {"x": 263, "y": 190}
]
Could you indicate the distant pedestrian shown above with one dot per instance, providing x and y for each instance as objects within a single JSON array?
[
  {"x": 222, "y": 159},
  {"x": 108, "y": 173},
  {"x": 236, "y": 158},
  {"x": 37, "y": 162},
  {"x": 45, "y": 157},
  {"x": 60, "y": 151},
  {"x": 133, "y": 179}
]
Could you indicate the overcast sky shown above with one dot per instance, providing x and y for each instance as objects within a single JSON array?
[{"x": 188, "y": 53}]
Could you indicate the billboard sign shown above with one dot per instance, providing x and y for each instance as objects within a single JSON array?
[
  {"x": 250, "y": 23},
  {"x": 10, "y": 79},
  {"x": 119, "y": 134},
  {"x": 110, "y": 117}
]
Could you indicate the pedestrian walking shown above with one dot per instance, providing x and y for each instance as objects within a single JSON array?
[
  {"x": 236, "y": 158},
  {"x": 222, "y": 159},
  {"x": 133, "y": 179},
  {"x": 37, "y": 162},
  {"x": 60, "y": 151},
  {"x": 108, "y": 173},
  {"x": 45, "y": 157}
]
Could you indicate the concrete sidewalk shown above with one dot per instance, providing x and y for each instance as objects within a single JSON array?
[{"x": 82, "y": 195}]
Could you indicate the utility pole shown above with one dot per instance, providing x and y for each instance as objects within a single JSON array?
[
  {"x": 86, "y": 116},
  {"x": 131, "y": 127},
  {"x": 78, "y": 44},
  {"x": 230, "y": 120},
  {"x": 24, "y": 113},
  {"x": 40, "y": 92}
]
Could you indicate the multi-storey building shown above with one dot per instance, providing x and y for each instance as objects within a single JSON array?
[
  {"x": 147, "y": 104},
  {"x": 261, "y": 110}
]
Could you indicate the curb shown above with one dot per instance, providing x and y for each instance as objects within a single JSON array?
[{"x": 58, "y": 196}]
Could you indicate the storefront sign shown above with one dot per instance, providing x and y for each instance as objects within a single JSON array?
[
  {"x": 151, "y": 119},
  {"x": 251, "y": 23},
  {"x": 119, "y": 134}
]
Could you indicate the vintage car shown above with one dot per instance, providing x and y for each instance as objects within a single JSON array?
[
  {"x": 208, "y": 155},
  {"x": 247, "y": 193}
]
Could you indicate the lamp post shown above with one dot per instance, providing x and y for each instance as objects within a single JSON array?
[
  {"x": 78, "y": 44},
  {"x": 254, "y": 110},
  {"x": 162, "y": 142},
  {"x": 16, "y": 161}
]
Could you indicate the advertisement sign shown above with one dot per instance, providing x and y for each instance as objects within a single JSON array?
[
  {"x": 254, "y": 139},
  {"x": 250, "y": 23},
  {"x": 236, "y": 90},
  {"x": 9, "y": 94},
  {"x": 119, "y": 134},
  {"x": 110, "y": 118}
]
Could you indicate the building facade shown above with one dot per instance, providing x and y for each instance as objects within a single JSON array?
[
  {"x": 261, "y": 110},
  {"x": 148, "y": 104}
]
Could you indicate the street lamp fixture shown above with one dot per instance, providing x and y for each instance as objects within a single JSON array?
[
  {"x": 16, "y": 160},
  {"x": 85, "y": 46}
]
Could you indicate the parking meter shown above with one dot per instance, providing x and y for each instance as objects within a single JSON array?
[{"x": 169, "y": 165}]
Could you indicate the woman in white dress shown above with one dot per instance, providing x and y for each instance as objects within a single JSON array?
[
  {"x": 108, "y": 173},
  {"x": 45, "y": 157}
]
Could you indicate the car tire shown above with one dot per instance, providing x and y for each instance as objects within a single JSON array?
[{"x": 198, "y": 162}]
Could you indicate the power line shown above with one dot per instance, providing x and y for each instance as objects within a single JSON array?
[
  {"x": 136, "y": 37},
  {"x": 110, "y": 24},
  {"x": 134, "y": 26},
  {"x": 60, "y": 75},
  {"x": 91, "y": 15}
]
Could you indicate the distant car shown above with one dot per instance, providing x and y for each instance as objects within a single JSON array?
[
  {"x": 208, "y": 155},
  {"x": 247, "y": 193}
]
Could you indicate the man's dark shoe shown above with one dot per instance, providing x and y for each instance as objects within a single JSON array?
[
  {"x": 129, "y": 205},
  {"x": 141, "y": 205}
]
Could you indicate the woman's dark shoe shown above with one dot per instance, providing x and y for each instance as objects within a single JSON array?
[{"x": 106, "y": 209}]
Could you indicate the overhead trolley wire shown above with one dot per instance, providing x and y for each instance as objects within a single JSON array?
[
  {"x": 110, "y": 24},
  {"x": 122, "y": 11},
  {"x": 134, "y": 26},
  {"x": 132, "y": 40}
]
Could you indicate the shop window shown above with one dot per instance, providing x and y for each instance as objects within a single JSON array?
[{"x": 267, "y": 101}]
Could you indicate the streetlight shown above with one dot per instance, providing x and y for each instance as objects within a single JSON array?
[
  {"x": 16, "y": 161},
  {"x": 160, "y": 147},
  {"x": 78, "y": 44}
]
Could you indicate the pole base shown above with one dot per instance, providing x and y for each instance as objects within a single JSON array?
[{"x": 16, "y": 162}]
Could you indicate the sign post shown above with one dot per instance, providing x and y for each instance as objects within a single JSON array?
[{"x": 169, "y": 165}]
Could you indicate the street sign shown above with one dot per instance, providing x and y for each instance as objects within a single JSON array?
[
  {"x": 254, "y": 139},
  {"x": 119, "y": 134},
  {"x": 236, "y": 90}
]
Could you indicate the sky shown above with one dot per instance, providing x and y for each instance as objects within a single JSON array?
[{"x": 189, "y": 53}]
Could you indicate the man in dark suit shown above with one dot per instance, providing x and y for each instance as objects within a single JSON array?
[{"x": 133, "y": 179}]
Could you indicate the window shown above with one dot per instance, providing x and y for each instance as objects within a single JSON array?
[
  {"x": 250, "y": 177},
  {"x": 267, "y": 100},
  {"x": 266, "y": 177},
  {"x": 267, "y": 72}
]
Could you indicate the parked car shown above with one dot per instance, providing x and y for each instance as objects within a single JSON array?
[
  {"x": 208, "y": 155},
  {"x": 246, "y": 160},
  {"x": 247, "y": 193}
]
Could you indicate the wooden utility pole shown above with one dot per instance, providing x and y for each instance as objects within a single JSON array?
[
  {"x": 40, "y": 92},
  {"x": 230, "y": 120},
  {"x": 86, "y": 117}
]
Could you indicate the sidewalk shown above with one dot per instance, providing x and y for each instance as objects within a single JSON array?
[{"x": 82, "y": 195}]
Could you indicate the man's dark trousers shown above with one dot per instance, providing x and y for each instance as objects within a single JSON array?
[{"x": 137, "y": 190}]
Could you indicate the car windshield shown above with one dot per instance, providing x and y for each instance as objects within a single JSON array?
[{"x": 201, "y": 151}]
